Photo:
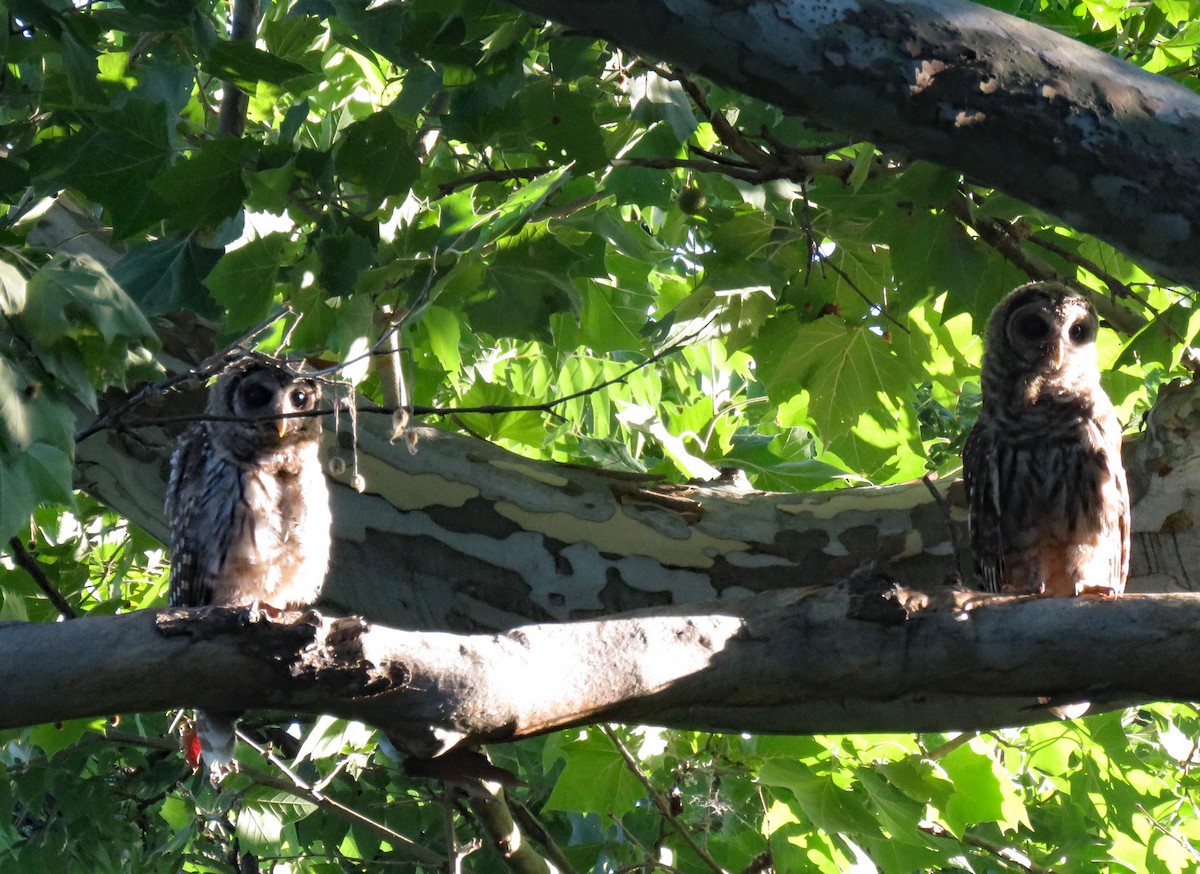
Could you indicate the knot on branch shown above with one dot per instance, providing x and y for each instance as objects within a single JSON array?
[
  {"x": 313, "y": 650},
  {"x": 336, "y": 657},
  {"x": 876, "y": 596}
]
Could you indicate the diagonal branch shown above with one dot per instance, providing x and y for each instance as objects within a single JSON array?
[{"x": 30, "y": 565}]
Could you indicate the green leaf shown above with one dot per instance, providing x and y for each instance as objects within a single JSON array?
[
  {"x": 243, "y": 281},
  {"x": 82, "y": 325},
  {"x": 260, "y": 822},
  {"x": 595, "y": 780},
  {"x": 375, "y": 154},
  {"x": 564, "y": 120},
  {"x": 474, "y": 232},
  {"x": 166, "y": 275},
  {"x": 247, "y": 64},
  {"x": 207, "y": 187},
  {"x": 114, "y": 162},
  {"x": 845, "y": 369},
  {"x": 343, "y": 256},
  {"x": 655, "y": 97},
  {"x": 982, "y": 792},
  {"x": 829, "y": 807},
  {"x": 58, "y": 736},
  {"x": 443, "y": 332}
]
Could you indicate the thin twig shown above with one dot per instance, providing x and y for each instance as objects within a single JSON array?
[
  {"x": 822, "y": 259},
  {"x": 1004, "y": 854},
  {"x": 30, "y": 565},
  {"x": 470, "y": 179},
  {"x": 660, "y": 802},
  {"x": 944, "y": 507},
  {"x": 116, "y": 421},
  {"x": 1115, "y": 286},
  {"x": 211, "y": 365},
  {"x": 1001, "y": 237},
  {"x": 951, "y": 745},
  {"x": 297, "y": 786},
  {"x": 528, "y": 821}
]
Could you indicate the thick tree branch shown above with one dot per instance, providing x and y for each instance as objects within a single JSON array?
[
  {"x": 1097, "y": 142},
  {"x": 464, "y": 535},
  {"x": 860, "y": 656}
]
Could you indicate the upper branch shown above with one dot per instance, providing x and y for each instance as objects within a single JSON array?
[{"x": 1103, "y": 145}]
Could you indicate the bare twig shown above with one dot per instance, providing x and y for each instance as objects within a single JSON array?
[
  {"x": 664, "y": 808},
  {"x": 470, "y": 179},
  {"x": 1001, "y": 237},
  {"x": 1116, "y": 287},
  {"x": 210, "y": 366},
  {"x": 536, "y": 830},
  {"x": 944, "y": 508},
  {"x": 951, "y": 745},
  {"x": 30, "y": 565},
  {"x": 489, "y": 806},
  {"x": 297, "y": 786},
  {"x": 1008, "y": 855},
  {"x": 115, "y": 419},
  {"x": 822, "y": 259}
]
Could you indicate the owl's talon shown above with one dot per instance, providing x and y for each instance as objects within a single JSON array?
[{"x": 1108, "y": 593}]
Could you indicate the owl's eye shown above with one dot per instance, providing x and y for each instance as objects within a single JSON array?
[
  {"x": 1080, "y": 332},
  {"x": 255, "y": 395},
  {"x": 1032, "y": 327},
  {"x": 299, "y": 398}
]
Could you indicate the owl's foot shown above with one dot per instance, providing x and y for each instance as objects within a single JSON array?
[
  {"x": 261, "y": 611},
  {"x": 1107, "y": 592},
  {"x": 1034, "y": 587},
  {"x": 218, "y": 771}
]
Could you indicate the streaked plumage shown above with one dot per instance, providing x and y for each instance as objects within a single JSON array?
[
  {"x": 248, "y": 504},
  {"x": 1049, "y": 508}
]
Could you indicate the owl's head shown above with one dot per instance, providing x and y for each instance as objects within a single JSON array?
[
  {"x": 268, "y": 398},
  {"x": 1046, "y": 331}
]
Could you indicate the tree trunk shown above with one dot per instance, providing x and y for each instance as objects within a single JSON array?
[{"x": 1103, "y": 145}]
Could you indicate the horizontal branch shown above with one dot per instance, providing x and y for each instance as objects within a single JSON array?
[{"x": 860, "y": 656}]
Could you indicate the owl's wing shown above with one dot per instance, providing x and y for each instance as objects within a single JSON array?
[
  {"x": 191, "y": 579},
  {"x": 1122, "y": 511},
  {"x": 983, "y": 506}
]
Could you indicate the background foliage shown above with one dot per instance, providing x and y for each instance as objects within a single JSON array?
[{"x": 540, "y": 213}]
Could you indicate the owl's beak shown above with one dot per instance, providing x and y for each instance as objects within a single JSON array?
[
  {"x": 283, "y": 427},
  {"x": 1057, "y": 355}
]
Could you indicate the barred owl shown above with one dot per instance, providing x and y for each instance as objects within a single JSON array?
[
  {"x": 248, "y": 506},
  {"x": 1049, "y": 509}
]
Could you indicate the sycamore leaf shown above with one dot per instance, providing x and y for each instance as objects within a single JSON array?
[{"x": 843, "y": 368}]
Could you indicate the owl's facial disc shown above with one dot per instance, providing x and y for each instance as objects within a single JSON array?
[
  {"x": 1033, "y": 333},
  {"x": 300, "y": 398},
  {"x": 253, "y": 396}
]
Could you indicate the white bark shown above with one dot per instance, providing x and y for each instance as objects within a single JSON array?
[{"x": 463, "y": 535}]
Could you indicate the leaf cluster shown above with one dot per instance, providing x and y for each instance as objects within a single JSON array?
[{"x": 536, "y": 212}]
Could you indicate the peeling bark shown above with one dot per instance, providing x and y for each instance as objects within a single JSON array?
[
  {"x": 863, "y": 655},
  {"x": 463, "y": 535},
  {"x": 1103, "y": 145}
]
